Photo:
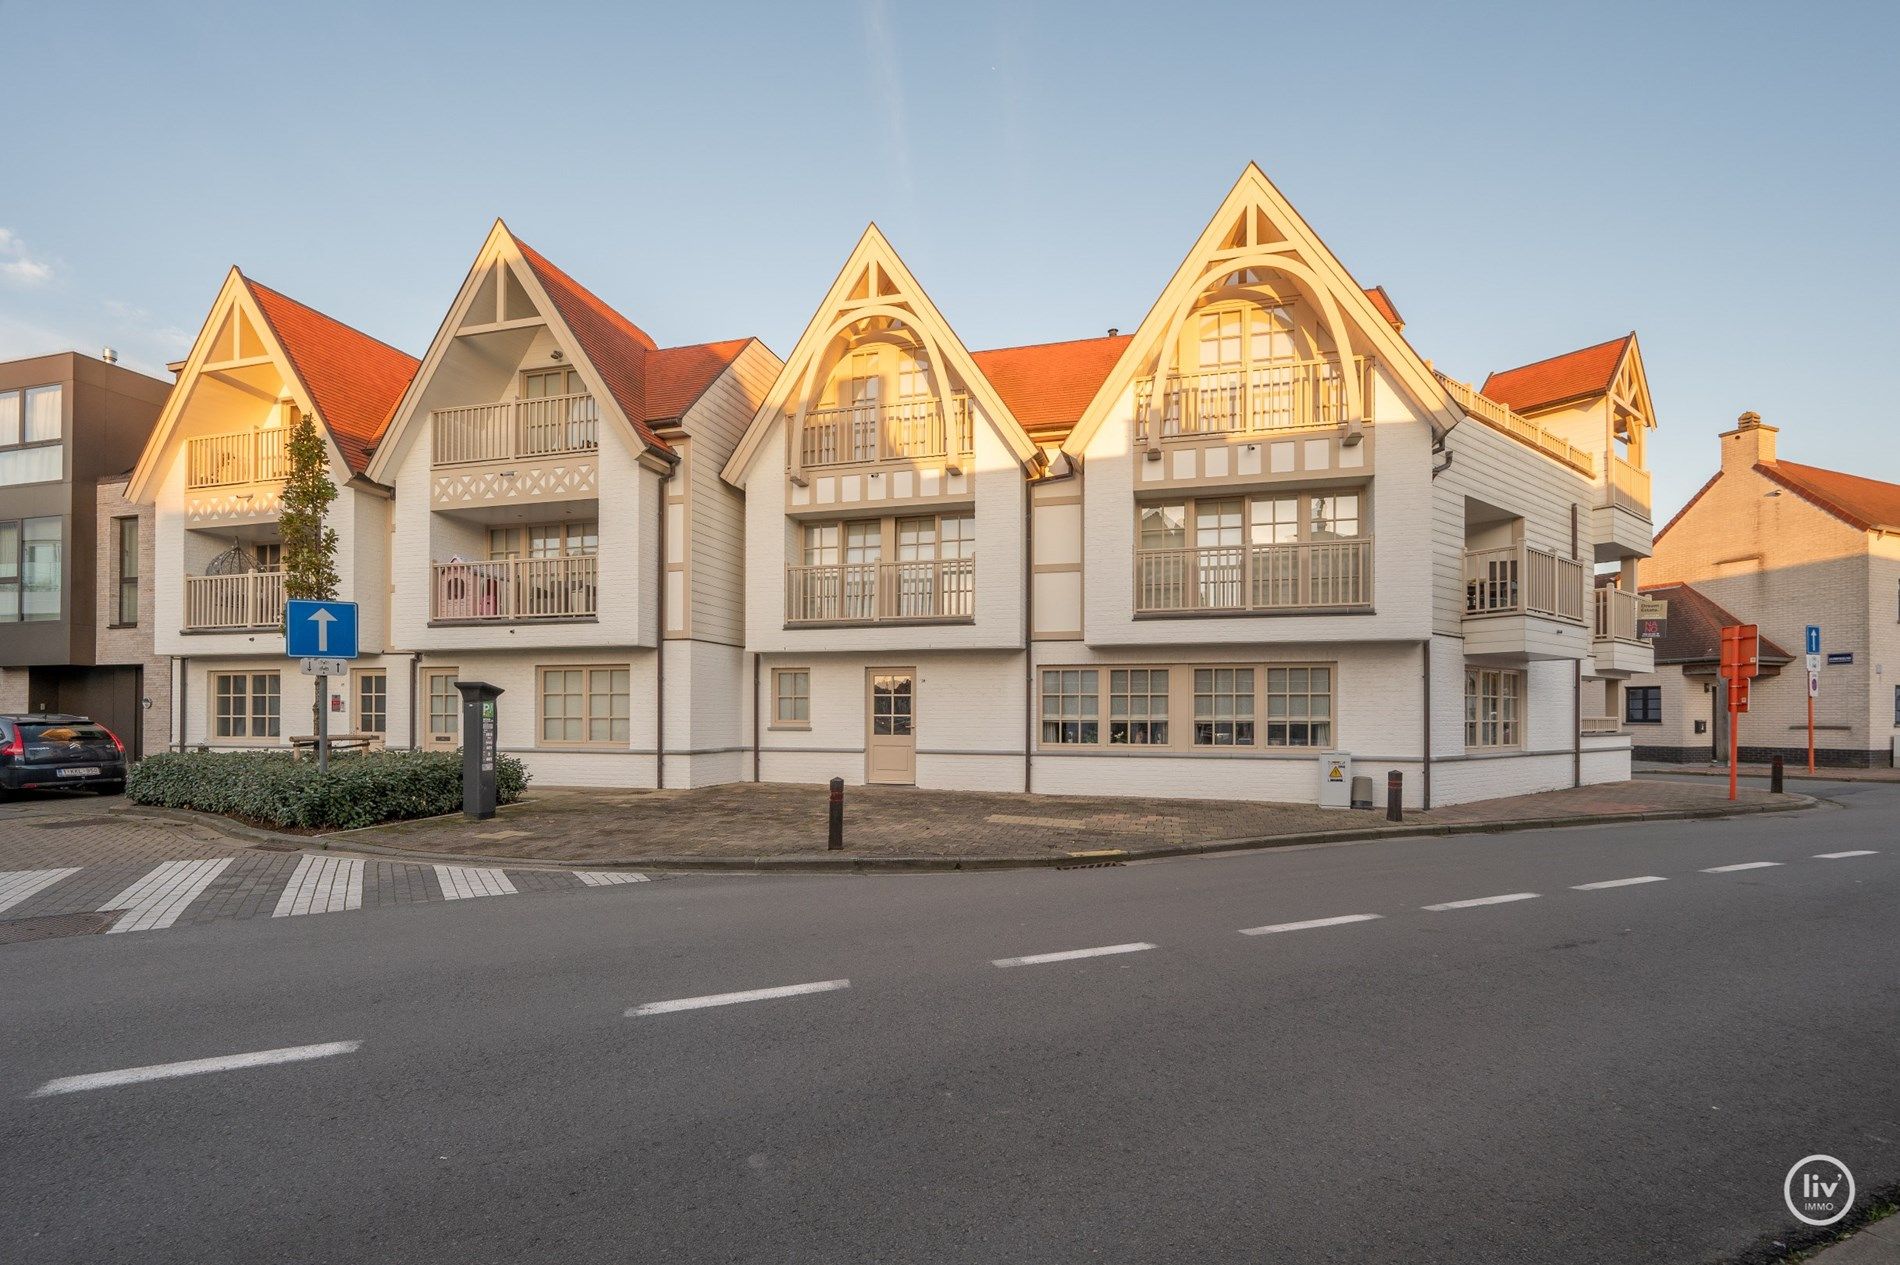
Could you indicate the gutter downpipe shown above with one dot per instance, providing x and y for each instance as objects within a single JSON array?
[
  {"x": 415, "y": 673},
  {"x": 183, "y": 667},
  {"x": 755, "y": 716},
  {"x": 1425, "y": 778},
  {"x": 659, "y": 635}
]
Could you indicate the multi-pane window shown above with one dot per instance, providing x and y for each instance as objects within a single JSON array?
[
  {"x": 1138, "y": 707},
  {"x": 1263, "y": 334},
  {"x": 821, "y": 544},
  {"x": 1220, "y": 339},
  {"x": 1217, "y": 523},
  {"x": 245, "y": 704},
  {"x": 539, "y": 383},
  {"x": 1299, "y": 707},
  {"x": 892, "y": 705},
  {"x": 865, "y": 383},
  {"x": 30, "y": 434},
  {"x": 1642, "y": 704},
  {"x": 1164, "y": 526},
  {"x": 863, "y": 541},
  {"x": 1276, "y": 520},
  {"x": 445, "y": 707},
  {"x": 916, "y": 539},
  {"x": 913, "y": 377},
  {"x": 956, "y": 536},
  {"x": 791, "y": 697},
  {"x": 1223, "y": 707},
  {"x": 125, "y": 551},
  {"x": 1260, "y": 520},
  {"x": 1333, "y": 516},
  {"x": 1494, "y": 703},
  {"x": 269, "y": 555},
  {"x": 1070, "y": 706},
  {"x": 372, "y": 702},
  {"x": 543, "y": 540},
  {"x": 584, "y": 705},
  {"x": 30, "y": 551}
]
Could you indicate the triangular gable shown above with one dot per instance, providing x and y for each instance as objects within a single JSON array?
[
  {"x": 1629, "y": 388},
  {"x": 1556, "y": 380},
  {"x": 508, "y": 284},
  {"x": 1257, "y": 228},
  {"x": 346, "y": 380},
  {"x": 875, "y": 283}
]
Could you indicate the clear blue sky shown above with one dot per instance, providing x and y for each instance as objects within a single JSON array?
[{"x": 1721, "y": 178}]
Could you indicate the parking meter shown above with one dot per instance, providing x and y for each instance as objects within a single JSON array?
[{"x": 478, "y": 748}]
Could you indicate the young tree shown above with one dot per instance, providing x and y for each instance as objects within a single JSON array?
[{"x": 309, "y": 545}]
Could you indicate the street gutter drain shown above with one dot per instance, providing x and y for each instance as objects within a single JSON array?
[
  {"x": 55, "y": 926},
  {"x": 1099, "y": 859}
]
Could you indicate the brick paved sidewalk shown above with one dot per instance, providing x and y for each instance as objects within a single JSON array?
[{"x": 786, "y": 823}]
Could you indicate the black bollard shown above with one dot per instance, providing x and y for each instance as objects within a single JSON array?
[
  {"x": 1774, "y": 776},
  {"x": 1394, "y": 795},
  {"x": 834, "y": 841}
]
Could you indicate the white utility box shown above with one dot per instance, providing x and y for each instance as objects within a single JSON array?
[{"x": 1335, "y": 780}]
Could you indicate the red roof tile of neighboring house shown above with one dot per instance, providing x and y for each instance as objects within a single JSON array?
[
  {"x": 354, "y": 381},
  {"x": 1865, "y": 503},
  {"x": 614, "y": 345},
  {"x": 1693, "y": 631},
  {"x": 1047, "y": 385},
  {"x": 1573, "y": 375},
  {"x": 1383, "y": 301},
  {"x": 678, "y": 376}
]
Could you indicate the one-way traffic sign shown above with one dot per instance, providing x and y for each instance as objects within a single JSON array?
[{"x": 319, "y": 630}]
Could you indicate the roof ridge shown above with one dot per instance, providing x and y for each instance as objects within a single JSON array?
[
  {"x": 1053, "y": 342},
  {"x": 1574, "y": 351}
]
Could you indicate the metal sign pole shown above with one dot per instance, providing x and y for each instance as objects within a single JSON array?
[{"x": 323, "y": 724}]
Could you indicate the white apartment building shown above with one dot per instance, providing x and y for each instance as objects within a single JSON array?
[{"x": 1189, "y": 560}]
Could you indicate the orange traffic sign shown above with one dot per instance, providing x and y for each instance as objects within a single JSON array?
[{"x": 1741, "y": 651}]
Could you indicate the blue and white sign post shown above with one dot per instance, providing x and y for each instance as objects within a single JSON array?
[
  {"x": 323, "y": 635},
  {"x": 1814, "y": 684}
]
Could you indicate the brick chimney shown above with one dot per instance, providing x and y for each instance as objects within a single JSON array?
[{"x": 1750, "y": 442}]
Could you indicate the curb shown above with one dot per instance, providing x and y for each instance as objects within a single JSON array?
[{"x": 938, "y": 864}]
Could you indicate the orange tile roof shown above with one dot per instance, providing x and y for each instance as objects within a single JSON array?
[
  {"x": 354, "y": 380},
  {"x": 1693, "y": 631},
  {"x": 1865, "y": 503},
  {"x": 1047, "y": 385},
  {"x": 614, "y": 345},
  {"x": 1573, "y": 375},
  {"x": 1383, "y": 301},
  {"x": 678, "y": 376}
]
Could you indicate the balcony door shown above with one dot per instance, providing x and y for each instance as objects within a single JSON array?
[{"x": 890, "y": 743}]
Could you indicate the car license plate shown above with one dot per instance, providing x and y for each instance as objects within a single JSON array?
[{"x": 79, "y": 772}]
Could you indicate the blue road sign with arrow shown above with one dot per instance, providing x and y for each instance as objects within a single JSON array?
[
  {"x": 1814, "y": 639},
  {"x": 319, "y": 630}
]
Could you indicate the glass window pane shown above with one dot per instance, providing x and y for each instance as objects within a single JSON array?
[
  {"x": 42, "y": 409},
  {"x": 40, "y": 550},
  {"x": 9, "y": 417}
]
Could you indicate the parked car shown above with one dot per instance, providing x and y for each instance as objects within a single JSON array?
[{"x": 39, "y": 752}]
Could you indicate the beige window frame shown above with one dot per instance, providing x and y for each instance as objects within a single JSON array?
[
  {"x": 595, "y": 703},
  {"x": 125, "y": 564},
  {"x": 1162, "y": 707},
  {"x": 791, "y": 692},
  {"x": 535, "y": 382},
  {"x": 441, "y": 706},
  {"x": 1204, "y": 522},
  {"x": 246, "y": 705},
  {"x": 1494, "y": 709},
  {"x": 1071, "y": 712},
  {"x": 369, "y": 700}
]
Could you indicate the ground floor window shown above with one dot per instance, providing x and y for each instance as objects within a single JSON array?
[
  {"x": 372, "y": 702},
  {"x": 1494, "y": 707},
  {"x": 585, "y": 706},
  {"x": 1250, "y": 705},
  {"x": 246, "y": 704},
  {"x": 791, "y": 698},
  {"x": 1642, "y": 704}
]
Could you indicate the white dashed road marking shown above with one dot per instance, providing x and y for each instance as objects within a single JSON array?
[
  {"x": 460, "y": 882},
  {"x": 158, "y": 898},
  {"x": 1618, "y": 882},
  {"x": 734, "y": 999},
  {"x": 1482, "y": 900},
  {"x": 1746, "y": 865},
  {"x": 322, "y": 885},
  {"x": 193, "y": 1067},
  {"x": 1819, "y": 856},
  {"x": 1070, "y": 955},
  {"x": 17, "y": 885},
  {"x": 607, "y": 878},
  {"x": 1309, "y": 925}
]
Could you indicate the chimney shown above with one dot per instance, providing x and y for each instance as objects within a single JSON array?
[
  {"x": 109, "y": 355},
  {"x": 1751, "y": 441}
]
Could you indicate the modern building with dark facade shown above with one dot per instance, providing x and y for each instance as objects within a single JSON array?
[{"x": 69, "y": 423}]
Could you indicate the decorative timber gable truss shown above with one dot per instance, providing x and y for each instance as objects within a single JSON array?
[
  {"x": 875, "y": 299},
  {"x": 511, "y": 286},
  {"x": 263, "y": 344}
]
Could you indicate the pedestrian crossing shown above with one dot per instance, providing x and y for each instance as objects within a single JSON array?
[{"x": 152, "y": 897}]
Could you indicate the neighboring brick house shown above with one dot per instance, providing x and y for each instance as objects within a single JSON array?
[
  {"x": 126, "y": 616},
  {"x": 1680, "y": 711},
  {"x": 1786, "y": 545}
]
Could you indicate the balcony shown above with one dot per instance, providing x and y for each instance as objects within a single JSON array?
[
  {"x": 245, "y": 602},
  {"x": 1523, "y": 429},
  {"x": 1619, "y": 522},
  {"x": 909, "y": 430},
  {"x": 1599, "y": 726},
  {"x": 1295, "y": 395},
  {"x": 1319, "y": 575},
  {"x": 237, "y": 457},
  {"x": 514, "y": 590},
  {"x": 941, "y": 589},
  {"x": 1615, "y": 646},
  {"x": 549, "y": 426},
  {"x": 1523, "y": 604}
]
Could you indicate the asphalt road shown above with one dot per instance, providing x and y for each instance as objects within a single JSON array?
[{"x": 1616, "y": 1074}]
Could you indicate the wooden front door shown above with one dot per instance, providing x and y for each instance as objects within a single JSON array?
[
  {"x": 890, "y": 745},
  {"x": 441, "y": 710}
]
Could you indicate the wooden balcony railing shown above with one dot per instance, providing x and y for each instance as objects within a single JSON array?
[
  {"x": 1616, "y": 615},
  {"x": 1289, "y": 396},
  {"x": 870, "y": 592},
  {"x": 1500, "y": 418},
  {"x": 252, "y": 599},
  {"x": 1310, "y": 575},
  {"x": 516, "y": 589},
  {"x": 1628, "y": 486},
  {"x": 1519, "y": 580},
  {"x": 549, "y": 426},
  {"x": 906, "y": 430},
  {"x": 1599, "y": 725},
  {"x": 243, "y": 456}
]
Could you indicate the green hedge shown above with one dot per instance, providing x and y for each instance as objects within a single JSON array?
[{"x": 273, "y": 789}]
